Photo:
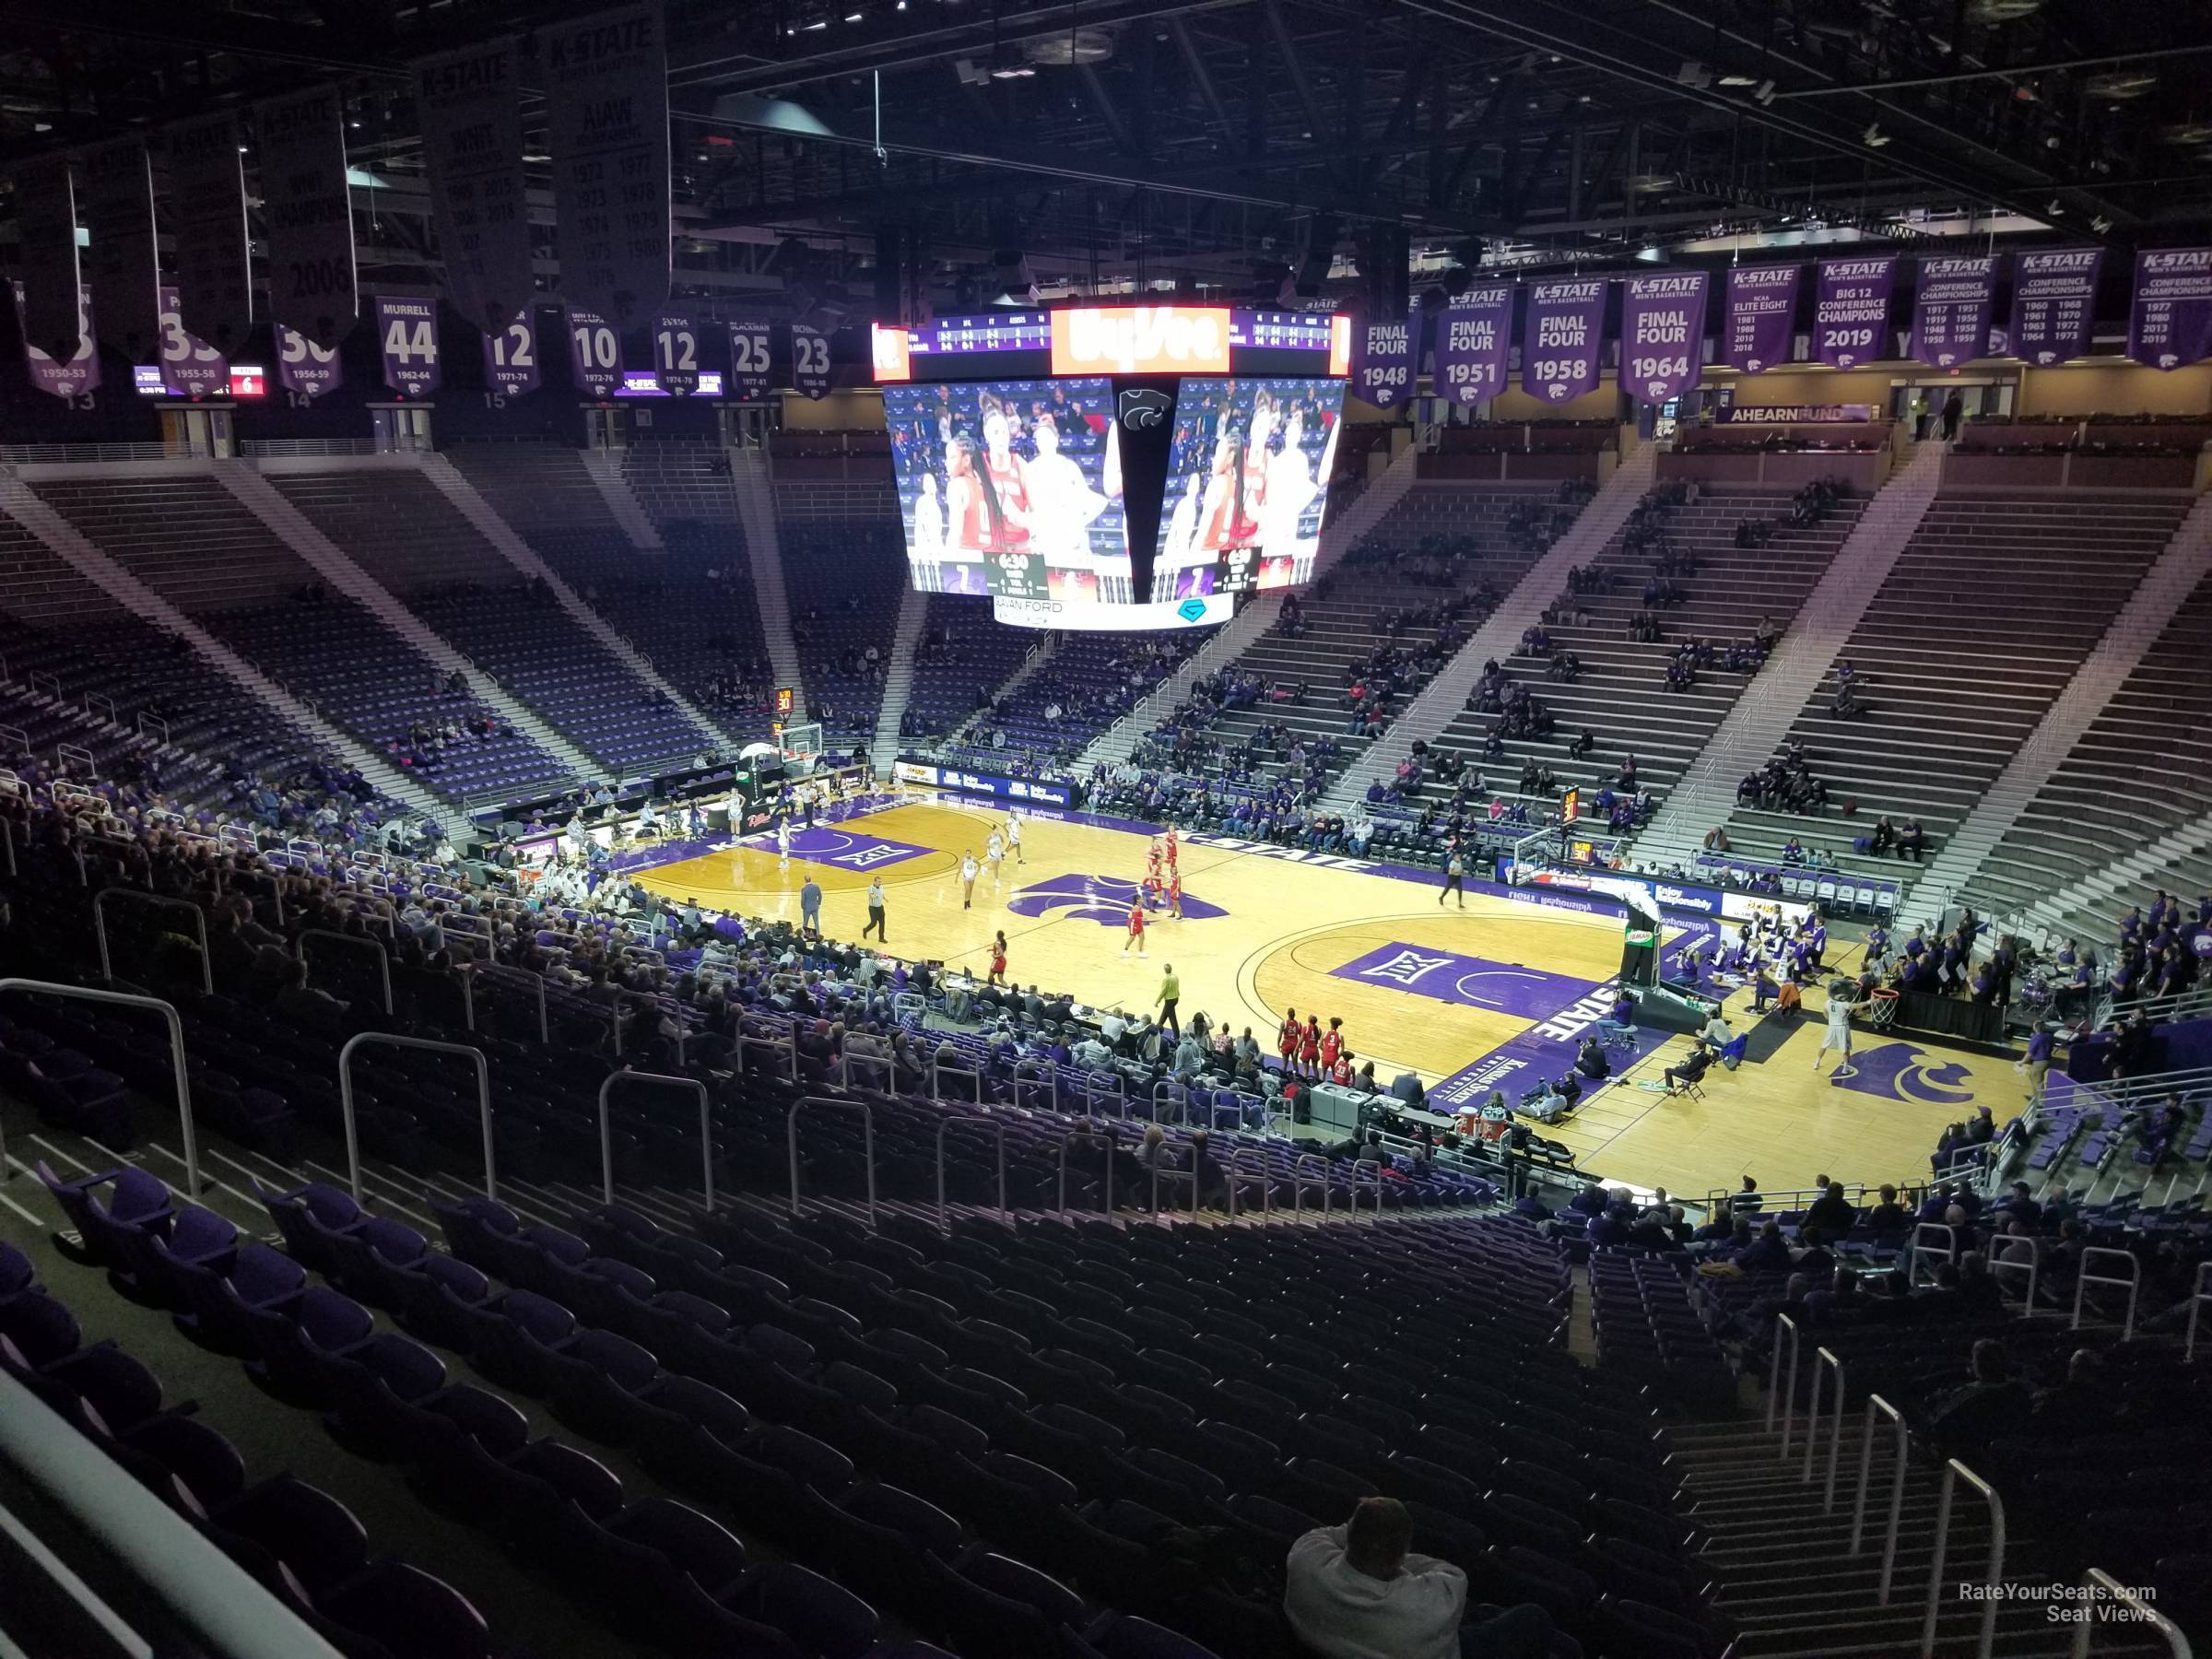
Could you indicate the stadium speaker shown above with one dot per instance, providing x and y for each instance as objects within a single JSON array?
[
  {"x": 1271, "y": 285},
  {"x": 1320, "y": 254}
]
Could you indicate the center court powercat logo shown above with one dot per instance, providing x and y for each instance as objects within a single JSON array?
[
  {"x": 1104, "y": 898},
  {"x": 1896, "y": 1071}
]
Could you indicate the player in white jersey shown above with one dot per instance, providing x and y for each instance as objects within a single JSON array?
[
  {"x": 968, "y": 871},
  {"x": 994, "y": 853},
  {"x": 782, "y": 843},
  {"x": 1838, "y": 1035},
  {"x": 1014, "y": 833}
]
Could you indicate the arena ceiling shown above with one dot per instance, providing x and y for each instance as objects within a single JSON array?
[{"x": 1248, "y": 145}]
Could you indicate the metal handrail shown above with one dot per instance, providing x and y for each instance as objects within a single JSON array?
[
  {"x": 1876, "y": 1404},
  {"x": 1161, "y": 1172},
  {"x": 1953, "y": 1472},
  {"x": 116, "y": 843},
  {"x": 493, "y": 969},
  {"x": 126, "y": 999},
  {"x": 706, "y": 1127},
  {"x": 2102, "y": 1586},
  {"x": 2197, "y": 1299},
  {"x": 1038, "y": 1070},
  {"x": 2133, "y": 1283},
  {"x": 8, "y": 836},
  {"x": 958, "y": 1068},
  {"x": 1069, "y": 1139},
  {"x": 787, "y": 1045},
  {"x": 868, "y": 1127},
  {"x": 1824, "y": 1361},
  {"x": 100, "y": 925},
  {"x": 1236, "y": 1155},
  {"x": 1299, "y": 1182},
  {"x": 872, "y": 1055},
  {"x": 624, "y": 998},
  {"x": 1118, "y": 1093},
  {"x": 1951, "y": 1248},
  {"x": 998, "y": 1129},
  {"x": 1374, "y": 1184},
  {"x": 384, "y": 957},
  {"x": 428, "y": 1045},
  {"x": 2032, "y": 1266},
  {"x": 1775, "y": 1395}
]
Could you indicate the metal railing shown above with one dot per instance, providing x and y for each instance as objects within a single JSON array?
[
  {"x": 1953, "y": 1472},
  {"x": 2032, "y": 1266},
  {"x": 1824, "y": 1362},
  {"x": 1236, "y": 1163},
  {"x": 1373, "y": 1185},
  {"x": 939, "y": 1068},
  {"x": 126, "y": 999},
  {"x": 1093, "y": 1092},
  {"x": 2133, "y": 1283},
  {"x": 998, "y": 1130},
  {"x": 2197, "y": 1299},
  {"x": 199, "y": 923},
  {"x": 872, "y": 1057},
  {"x": 1925, "y": 1230},
  {"x": 1875, "y": 1406},
  {"x": 1090, "y": 1139},
  {"x": 496, "y": 973},
  {"x": 1778, "y": 1396},
  {"x": 660, "y": 1080},
  {"x": 752, "y": 1034},
  {"x": 384, "y": 960},
  {"x": 1300, "y": 1181},
  {"x": 2100, "y": 1586},
  {"x": 867, "y": 1128},
  {"x": 425, "y": 1045}
]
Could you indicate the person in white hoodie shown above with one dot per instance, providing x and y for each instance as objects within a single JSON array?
[{"x": 1357, "y": 1591}]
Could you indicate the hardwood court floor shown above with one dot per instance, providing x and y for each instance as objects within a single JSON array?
[{"x": 1262, "y": 933}]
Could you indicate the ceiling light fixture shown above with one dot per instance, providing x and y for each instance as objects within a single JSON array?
[{"x": 1873, "y": 137}]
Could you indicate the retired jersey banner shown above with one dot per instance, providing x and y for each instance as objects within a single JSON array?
[
  {"x": 606, "y": 115},
  {"x": 406, "y": 334},
  {"x": 1952, "y": 311},
  {"x": 470, "y": 106},
  {"x": 1663, "y": 333},
  {"x": 48, "y": 305},
  {"x": 1383, "y": 358},
  {"x": 1761, "y": 316},
  {"x": 1473, "y": 335},
  {"x": 511, "y": 354},
  {"x": 1851, "y": 311},
  {"x": 749, "y": 370},
  {"x": 214, "y": 274},
  {"x": 190, "y": 366},
  {"x": 595, "y": 353},
  {"x": 809, "y": 361},
  {"x": 676, "y": 353},
  {"x": 307, "y": 213},
  {"x": 1560, "y": 339},
  {"x": 2053, "y": 303},
  {"x": 116, "y": 199},
  {"x": 304, "y": 369},
  {"x": 74, "y": 373},
  {"x": 2169, "y": 324}
]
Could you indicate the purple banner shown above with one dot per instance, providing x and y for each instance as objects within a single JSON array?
[
  {"x": 1383, "y": 360},
  {"x": 190, "y": 366},
  {"x": 749, "y": 361},
  {"x": 1951, "y": 309},
  {"x": 305, "y": 370},
  {"x": 1560, "y": 341},
  {"x": 207, "y": 189},
  {"x": 1472, "y": 339},
  {"x": 2053, "y": 303},
  {"x": 676, "y": 353},
  {"x": 469, "y": 104},
  {"x": 1851, "y": 311},
  {"x": 46, "y": 257},
  {"x": 307, "y": 213},
  {"x": 116, "y": 199},
  {"x": 1662, "y": 335},
  {"x": 809, "y": 361},
  {"x": 73, "y": 376},
  {"x": 595, "y": 353},
  {"x": 606, "y": 81},
  {"x": 406, "y": 334},
  {"x": 2169, "y": 324},
  {"x": 1762, "y": 316},
  {"x": 511, "y": 356}
]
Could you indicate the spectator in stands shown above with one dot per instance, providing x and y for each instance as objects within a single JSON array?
[
  {"x": 1832, "y": 1213},
  {"x": 1359, "y": 1592},
  {"x": 1888, "y": 1217},
  {"x": 1994, "y": 1404},
  {"x": 1770, "y": 1250},
  {"x": 2081, "y": 1406},
  {"x": 1911, "y": 839},
  {"x": 1954, "y": 411}
]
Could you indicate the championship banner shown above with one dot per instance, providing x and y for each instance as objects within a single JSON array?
[
  {"x": 48, "y": 306},
  {"x": 1851, "y": 311},
  {"x": 214, "y": 274},
  {"x": 1473, "y": 335},
  {"x": 470, "y": 106},
  {"x": 606, "y": 117},
  {"x": 1560, "y": 340},
  {"x": 307, "y": 214},
  {"x": 1383, "y": 360},
  {"x": 406, "y": 334},
  {"x": 1952, "y": 311},
  {"x": 190, "y": 366},
  {"x": 305, "y": 370},
  {"x": 1760, "y": 318},
  {"x": 2169, "y": 323},
  {"x": 116, "y": 197},
  {"x": 595, "y": 353},
  {"x": 1662, "y": 335},
  {"x": 676, "y": 353},
  {"x": 809, "y": 361},
  {"x": 511, "y": 354},
  {"x": 2054, "y": 304},
  {"x": 73, "y": 374},
  {"x": 749, "y": 372}
]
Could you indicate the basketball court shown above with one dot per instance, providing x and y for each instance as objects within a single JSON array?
[{"x": 1494, "y": 996}]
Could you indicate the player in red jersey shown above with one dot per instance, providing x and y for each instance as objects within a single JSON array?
[
  {"x": 1308, "y": 1047},
  {"x": 1172, "y": 844},
  {"x": 1174, "y": 892},
  {"x": 1152, "y": 858},
  {"x": 1136, "y": 931},
  {"x": 998, "y": 961},
  {"x": 1332, "y": 1043},
  {"x": 1286, "y": 1038}
]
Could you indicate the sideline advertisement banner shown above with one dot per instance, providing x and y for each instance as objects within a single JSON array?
[{"x": 1021, "y": 791}]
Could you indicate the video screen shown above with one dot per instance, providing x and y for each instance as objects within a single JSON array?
[
  {"x": 1247, "y": 482},
  {"x": 1011, "y": 487}
]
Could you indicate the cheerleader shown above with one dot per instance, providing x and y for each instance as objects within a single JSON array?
[
  {"x": 1175, "y": 893},
  {"x": 1136, "y": 932}
]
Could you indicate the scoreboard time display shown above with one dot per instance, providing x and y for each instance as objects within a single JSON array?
[{"x": 1117, "y": 340}]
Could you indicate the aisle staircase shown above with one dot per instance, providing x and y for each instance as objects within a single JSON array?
[
  {"x": 757, "y": 511},
  {"x": 605, "y": 467},
  {"x": 2092, "y": 904},
  {"x": 899, "y": 677}
]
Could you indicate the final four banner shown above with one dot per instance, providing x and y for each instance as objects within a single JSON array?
[
  {"x": 1560, "y": 341},
  {"x": 407, "y": 333},
  {"x": 1952, "y": 311},
  {"x": 1473, "y": 334},
  {"x": 2169, "y": 324},
  {"x": 1761, "y": 316},
  {"x": 1851, "y": 311},
  {"x": 1663, "y": 333},
  {"x": 1384, "y": 353},
  {"x": 809, "y": 361},
  {"x": 307, "y": 213},
  {"x": 2054, "y": 304},
  {"x": 749, "y": 361}
]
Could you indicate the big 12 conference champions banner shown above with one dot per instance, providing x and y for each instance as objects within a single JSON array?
[
  {"x": 1761, "y": 316},
  {"x": 1560, "y": 341},
  {"x": 2169, "y": 324},
  {"x": 2054, "y": 304},
  {"x": 1383, "y": 360},
  {"x": 1952, "y": 310},
  {"x": 1851, "y": 311},
  {"x": 406, "y": 333},
  {"x": 1663, "y": 333},
  {"x": 1472, "y": 335},
  {"x": 606, "y": 115},
  {"x": 307, "y": 214}
]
